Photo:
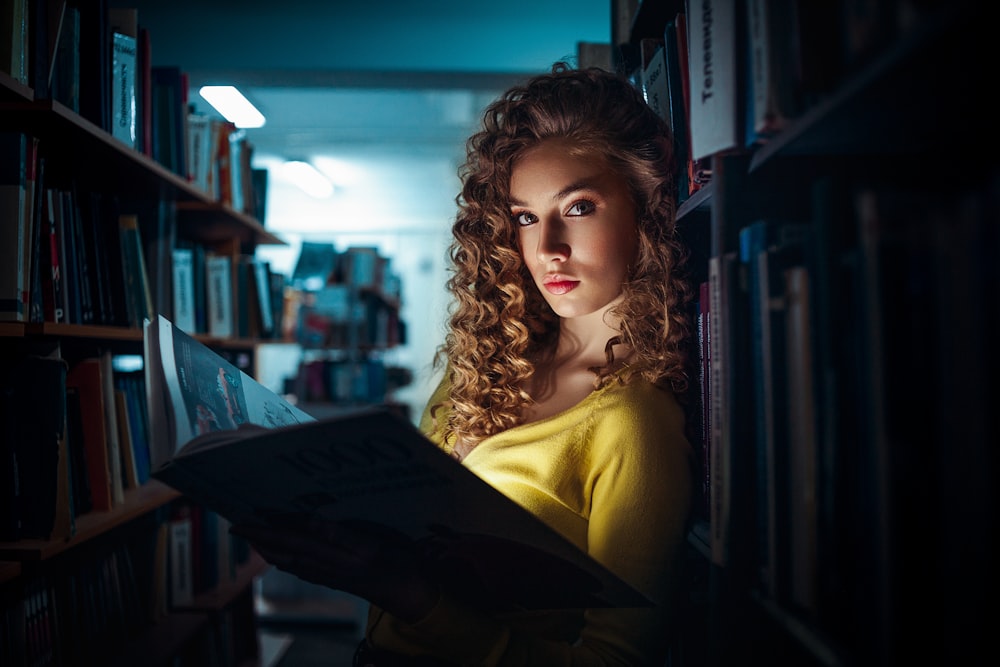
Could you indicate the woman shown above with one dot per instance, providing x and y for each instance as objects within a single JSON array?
[{"x": 563, "y": 360}]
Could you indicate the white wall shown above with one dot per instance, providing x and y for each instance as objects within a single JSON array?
[{"x": 401, "y": 204}]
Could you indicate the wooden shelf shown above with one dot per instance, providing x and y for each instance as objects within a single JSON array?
[
  {"x": 88, "y": 526},
  {"x": 227, "y": 591},
  {"x": 212, "y": 222},
  {"x": 699, "y": 202},
  {"x": 862, "y": 118},
  {"x": 11, "y": 329},
  {"x": 87, "y": 331},
  {"x": 101, "y": 163},
  {"x": 699, "y": 538},
  {"x": 818, "y": 646},
  {"x": 12, "y": 90}
]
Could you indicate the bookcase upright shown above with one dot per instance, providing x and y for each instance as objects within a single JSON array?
[
  {"x": 81, "y": 585},
  {"x": 851, "y": 256}
]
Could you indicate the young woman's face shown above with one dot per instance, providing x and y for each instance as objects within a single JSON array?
[{"x": 577, "y": 227}]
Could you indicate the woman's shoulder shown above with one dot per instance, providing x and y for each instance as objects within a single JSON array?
[
  {"x": 638, "y": 426},
  {"x": 637, "y": 397}
]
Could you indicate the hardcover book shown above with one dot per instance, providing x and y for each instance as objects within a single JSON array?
[
  {"x": 219, "y": 296},
  {"x": 714, "y": 65},
  {"x": 124, "y": 63},
  {"x": 123, "y": 122},
  {"x": 237, "y": 448},
  {"x": 15, "y": 213},
  {"x": 184, "y": 289}
]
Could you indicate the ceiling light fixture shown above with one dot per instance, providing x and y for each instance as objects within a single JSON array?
[
  {"x": 307, "y": 178},
  {"x": 232, "y": 105}
]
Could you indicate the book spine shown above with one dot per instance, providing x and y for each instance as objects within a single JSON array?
[
  {"x": 124, "y": 108},
  {"x": 713, "y": 63},
  {"x": 677, "y": 106},
  {"x": 181, "y": 576},
  {"x": 219, "y": 295},
  {"x": 14, "y": 211},
  {"x": 183, "y": 268}
]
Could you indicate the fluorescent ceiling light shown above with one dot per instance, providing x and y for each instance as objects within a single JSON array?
[
  {"x": 232, "y": 105},
  {"x": 307, "y": 178}
]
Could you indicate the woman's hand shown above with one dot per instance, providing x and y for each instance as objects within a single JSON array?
[{"x": 366, "y": 560}]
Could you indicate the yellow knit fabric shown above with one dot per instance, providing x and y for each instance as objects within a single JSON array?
[{"x": 613, "y": 474}]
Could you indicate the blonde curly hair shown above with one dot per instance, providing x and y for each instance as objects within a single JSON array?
[{"x": 499, "y": 323}]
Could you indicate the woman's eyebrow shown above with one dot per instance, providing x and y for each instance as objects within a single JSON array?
[{"x": 587, "y": 183}]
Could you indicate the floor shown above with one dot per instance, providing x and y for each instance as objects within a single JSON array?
[
  {"x": 303, "y": 625},
  {"x": 307, "y": 646}
]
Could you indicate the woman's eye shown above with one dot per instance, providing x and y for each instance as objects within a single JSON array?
[
  {"x": 581, "y": 208},
  {"x": 524, "y": 219}
]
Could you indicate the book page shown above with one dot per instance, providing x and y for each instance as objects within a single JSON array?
[{"x": 204, "y": 393}]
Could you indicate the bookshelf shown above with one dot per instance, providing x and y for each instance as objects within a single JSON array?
[
  {"x": 95, "y": 586},
  {"x": 849, "y": 530}
]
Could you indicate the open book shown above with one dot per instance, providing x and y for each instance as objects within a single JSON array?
[{"x": 224, "y": 440}]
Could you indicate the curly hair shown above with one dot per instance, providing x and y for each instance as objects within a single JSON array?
[{"x": 500, "y": 324}]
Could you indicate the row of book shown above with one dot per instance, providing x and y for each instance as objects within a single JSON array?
[
  {"x": 79, "y": 257},
  {"x": 845, "y": 360},
  {"x": 346, "y": 300},
  {"x": 729, "y": 75},
  {"x": 343, "y": 318},
  {"x": 75, "y": 440},
  {"x": 320, "y": 264},
  {"x": 82, "y": 612},
  {"x": 348, "y": 381},
  {"x": 224, "y": 295},
  {"x": 96, "y": 60}
]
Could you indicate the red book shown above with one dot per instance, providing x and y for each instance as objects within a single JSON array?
[{"x": 87, "y": 377}]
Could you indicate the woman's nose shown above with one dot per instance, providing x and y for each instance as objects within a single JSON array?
[{"x": 552, "y": 242}]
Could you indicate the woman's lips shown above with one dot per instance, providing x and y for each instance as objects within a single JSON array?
[{"x": 560, "y": 286}]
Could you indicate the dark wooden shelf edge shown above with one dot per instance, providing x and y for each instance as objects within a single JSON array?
[
  {"x": 89, "y": 331},
  {"x": 699, "y": 537},
  {"x": 810, "y": 639},
  {"x": 809, "y": 134},
  {"x": 50, "y": 120},
  {"x": 12, "y": 90},
  {"x": 113, "y": 333},
  {"x": 227, "y": 591},
  {"x": 700, "y": 201},
  {"x": 88, "y": 526},
  {"x": 11, "y": 329},
  {"x": 213, "y": 209}
]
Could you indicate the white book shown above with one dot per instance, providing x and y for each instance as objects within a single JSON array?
[
  {"x": 654, "y": 84},
  {"x": 123, "y": 114},
  {"x": 713, "y": 65},
  {"x": 181, "y": 574},
  {"x": 219, "y": 295},
  {"x": 184, "y": 289},
  {"x": 200, "y": 151}
]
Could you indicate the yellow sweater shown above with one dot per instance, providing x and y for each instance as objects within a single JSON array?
[{"x": 613, "y": 474}]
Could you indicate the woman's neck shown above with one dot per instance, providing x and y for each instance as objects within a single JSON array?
[{"x": 584, "y": 340}]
